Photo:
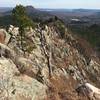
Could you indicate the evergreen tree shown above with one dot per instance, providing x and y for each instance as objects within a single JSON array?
[{"x": 21, "y": 20}]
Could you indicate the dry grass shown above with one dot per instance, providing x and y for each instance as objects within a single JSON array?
[{"x": 63, "y": 89}]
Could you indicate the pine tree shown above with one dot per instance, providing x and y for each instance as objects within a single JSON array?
[{"x": 21, "y": 20}]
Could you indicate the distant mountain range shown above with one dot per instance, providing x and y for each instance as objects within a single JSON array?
[
  {"x": 70, "y": 10},
  {"x": 31, "y": 9},
  {"x": 63, "y": 14},
  {"x": 5, "y": 9},
  {"x": 34, "y": 14}
]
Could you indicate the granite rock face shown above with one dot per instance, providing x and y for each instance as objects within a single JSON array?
[{"x": 13, "y": 85}]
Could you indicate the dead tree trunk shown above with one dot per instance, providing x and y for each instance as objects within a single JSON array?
[{"x": 46, "y": 53}]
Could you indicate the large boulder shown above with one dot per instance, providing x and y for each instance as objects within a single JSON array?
[
  {"x": 26, "y": 66},
  {"x": 14, "y": 86},
  {"x": 4, "y": 36},
  {"x": 87, "y": 89}
]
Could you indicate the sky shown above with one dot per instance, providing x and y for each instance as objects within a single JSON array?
[{"x": 87, "y": 4}]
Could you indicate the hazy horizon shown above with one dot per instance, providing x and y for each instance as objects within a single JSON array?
[
  {"x": 54, "y": 4},
  {"x": 58, "y": 8}
]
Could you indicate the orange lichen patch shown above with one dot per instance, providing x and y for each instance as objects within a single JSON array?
[{"x": 2, "y": 37}]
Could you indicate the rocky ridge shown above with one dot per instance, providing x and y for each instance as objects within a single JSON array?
[{"x": 51, "y": 67}]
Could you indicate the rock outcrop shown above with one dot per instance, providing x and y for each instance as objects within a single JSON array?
[
  {"x": 89, "y": 90},
  {"x": 49, "y": 68}
]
